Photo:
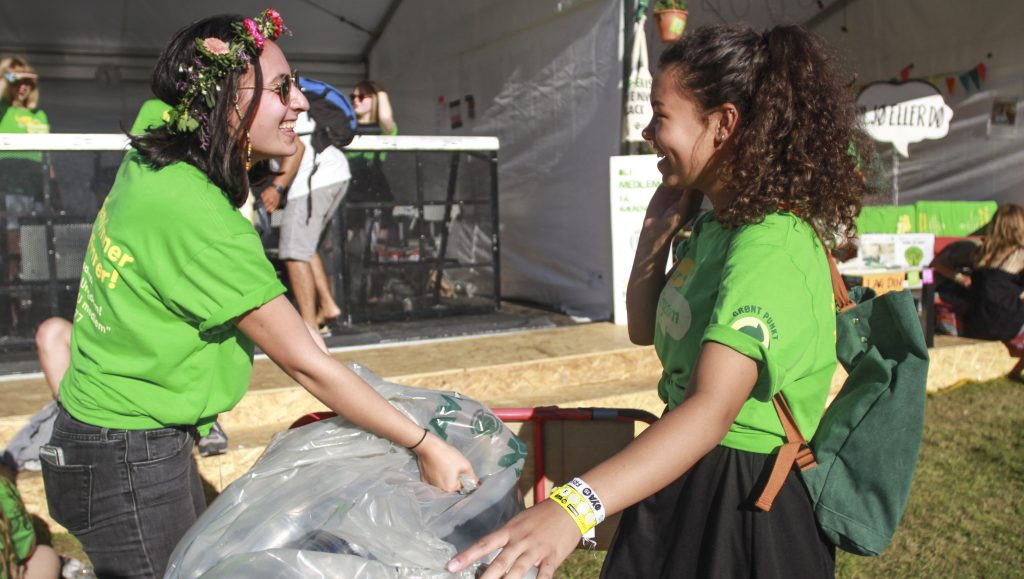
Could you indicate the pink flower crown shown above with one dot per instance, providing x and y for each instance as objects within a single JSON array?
[{"x": 215, "y": 60}]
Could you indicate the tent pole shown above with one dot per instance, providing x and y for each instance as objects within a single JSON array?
[
  {"x": 375, "y": 35},
  {"x": 895, "y": 177}
]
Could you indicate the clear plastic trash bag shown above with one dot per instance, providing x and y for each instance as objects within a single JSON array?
[{"x": 331, "y": 500}]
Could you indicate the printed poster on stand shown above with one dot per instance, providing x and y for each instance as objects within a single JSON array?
[{"x": 634, "y": 179}]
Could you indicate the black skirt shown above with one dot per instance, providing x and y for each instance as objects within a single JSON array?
[{"x": 705, "y": 525}]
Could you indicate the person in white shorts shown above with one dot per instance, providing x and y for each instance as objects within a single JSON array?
[{"x": 327, "y": 176}]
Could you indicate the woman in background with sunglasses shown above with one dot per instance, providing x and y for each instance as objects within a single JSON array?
[
  {"x": 373, "y": 109},
  {"x": 175, "y": 292},
  {"x": 19, "y": 99},
  {"x": 20, "y": 171},
  {"x": 369, "y": 180}
]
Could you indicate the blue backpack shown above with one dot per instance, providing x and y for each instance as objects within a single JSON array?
[{"x": 332, "y": 112}]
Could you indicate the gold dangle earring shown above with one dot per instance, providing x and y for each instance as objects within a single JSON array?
[
  {"x": 248, "y": 152},
  {"x": 248, "y": 141}
]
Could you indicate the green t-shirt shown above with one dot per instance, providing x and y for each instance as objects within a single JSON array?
[
  {"x": 151, "y": 115},
  {"x": 765, "y": 291},
  {"x": 20, "y": 120},
  {"x": 18, "y": 526},
  {"x": 170, "y": 264},
  {"x": 369, "y": 155}
]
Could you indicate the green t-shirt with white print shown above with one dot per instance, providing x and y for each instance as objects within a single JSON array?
[
  {"x": 765, "y": 291},
  {"x": 23, "y": 121},
  {"x": 169, "y": 266}
]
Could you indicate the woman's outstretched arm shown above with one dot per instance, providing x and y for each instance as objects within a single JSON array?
[
  {"x": 544, "y": 535},
  {"x": 279, "y": 331}
]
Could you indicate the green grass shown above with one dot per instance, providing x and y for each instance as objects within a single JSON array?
[
  {"x": 967, "y": 503},
  {"x": 965, "y": 510},
  {"x": 963, "y": 519}
]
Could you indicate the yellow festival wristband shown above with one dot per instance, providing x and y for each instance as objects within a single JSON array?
[{"x": 582, "y": 504}]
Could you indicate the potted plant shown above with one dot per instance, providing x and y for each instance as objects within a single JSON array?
[{"x": 671, "y": 18}]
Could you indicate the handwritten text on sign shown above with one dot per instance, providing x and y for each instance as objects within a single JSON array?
[
  {"x": 884, "y": 282},
  {"x": 904, "y": 113}
]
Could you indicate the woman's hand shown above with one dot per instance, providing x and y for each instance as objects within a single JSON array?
[
  {"x": 670, "y": 209},
  {"x": 541, "y": 536},
  {"x": 667, "y": 212},
  {"x": 441, "y": 464},
  {"x": 280, "y": 332}
]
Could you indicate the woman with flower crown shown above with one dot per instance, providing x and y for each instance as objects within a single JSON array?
[{"x": 175, "y": 293}]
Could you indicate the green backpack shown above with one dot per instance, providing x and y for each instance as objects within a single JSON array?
[{"x": 859, "y": 465}]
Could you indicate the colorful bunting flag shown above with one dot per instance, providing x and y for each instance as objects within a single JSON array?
[
  {"x": 976, "y": 78},
  {"x": 970, "y": 79},
  {"x": 905, "y": 72},
  {"x": 965, "y": 79}
]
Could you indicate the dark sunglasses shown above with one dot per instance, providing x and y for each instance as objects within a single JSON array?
[
  {"x": 356, "y": 97},
  {"x": 282, "y": 88}
]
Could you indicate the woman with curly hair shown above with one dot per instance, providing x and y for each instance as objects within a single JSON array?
[{"x": 764, "y": 126}]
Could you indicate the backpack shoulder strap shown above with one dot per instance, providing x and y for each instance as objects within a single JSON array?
[
  {"x": 839, "y": 292},
  {"x": 796, "y": 451}
]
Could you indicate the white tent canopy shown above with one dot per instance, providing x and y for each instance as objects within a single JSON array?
[{"x": 545, "y": 77}]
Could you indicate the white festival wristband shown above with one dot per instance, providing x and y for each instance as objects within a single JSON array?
[{"x": 591, "y": 496}]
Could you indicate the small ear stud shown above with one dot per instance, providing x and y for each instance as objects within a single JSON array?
[{"x": 720, "y": 137}]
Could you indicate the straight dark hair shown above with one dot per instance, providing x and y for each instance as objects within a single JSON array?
[{"x": 221, "y": 156}]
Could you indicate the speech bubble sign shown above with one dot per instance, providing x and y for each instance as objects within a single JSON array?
[{"x": 904, "y": 113}]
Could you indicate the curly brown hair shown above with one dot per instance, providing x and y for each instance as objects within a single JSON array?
[{"x": 800, "y": 143}]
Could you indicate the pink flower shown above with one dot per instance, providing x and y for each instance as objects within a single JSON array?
[
  {"x": 255, "y": 33},
  {"x": 275, "y": 18},
  {"x": 215, "y": 46}
]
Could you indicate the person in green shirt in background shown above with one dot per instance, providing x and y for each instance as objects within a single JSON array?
[
  {"x": 371, "y": 226},
  {"x": 21, "y": 173},
  {"x": 20, "y": 555},
  {"x": 761, "y": 125},
  {"x": 176, "y": 292},
  {"x": 19, "y": 102},
  {"x": 19, "y": 114}
]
